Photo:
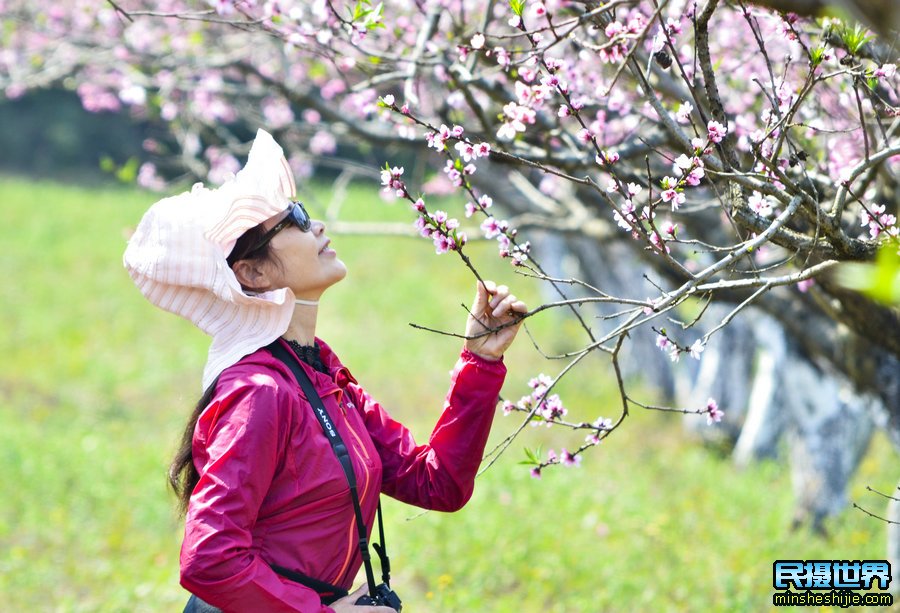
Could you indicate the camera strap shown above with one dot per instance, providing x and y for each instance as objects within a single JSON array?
[{"x": 340, "y": 450}]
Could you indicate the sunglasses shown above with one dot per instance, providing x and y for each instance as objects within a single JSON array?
[{"x": 297, "y": 216}]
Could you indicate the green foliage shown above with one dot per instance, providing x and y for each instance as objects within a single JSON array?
[
  {"x": 817, "y": 55},
  {"x": 517, "y": 6},
  {"x": 125, "y": 173},
  {"x": 96, "y": 384},
  {"x": 55, "y": 137},
  {"x": 880, "y": 280},
  {"x": 532, "y": 457},
  {"x": 366, "y": 17},
  {"x": 854, "y": 38}
]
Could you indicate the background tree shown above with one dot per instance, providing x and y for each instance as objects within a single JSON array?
[{"x": 698, "y": 161}]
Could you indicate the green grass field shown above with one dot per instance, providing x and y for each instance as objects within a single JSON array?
[{"x": 96, "y": 383}]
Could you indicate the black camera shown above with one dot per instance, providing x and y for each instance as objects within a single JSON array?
[{"x": 384, "y": 597}]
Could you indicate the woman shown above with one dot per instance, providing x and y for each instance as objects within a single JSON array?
[{"x": 264, "y": 493}]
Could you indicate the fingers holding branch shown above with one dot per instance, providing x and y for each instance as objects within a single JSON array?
[{"x": 494, "y": 308}]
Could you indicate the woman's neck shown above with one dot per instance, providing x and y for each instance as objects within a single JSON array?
[{"x": 303, "y": 325}]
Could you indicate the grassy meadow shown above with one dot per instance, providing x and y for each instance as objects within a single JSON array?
[{"x": 96, "y": 383}]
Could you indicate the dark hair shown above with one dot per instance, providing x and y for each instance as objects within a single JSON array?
[{"x": 183, "y": 475}]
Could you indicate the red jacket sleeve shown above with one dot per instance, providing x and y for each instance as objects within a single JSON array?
[
  {"x": 441, "y": 474},
  {"x": 237, "y": 444}
]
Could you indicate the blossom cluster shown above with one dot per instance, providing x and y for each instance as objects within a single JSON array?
[
  {"x": 442, "y": 229},
  {"x": 667, "y": 345},
  {"x": 391, "y": 181},
  {"x": 548, "y": 93},
  {"x": 548, "y": 409},
  {"x": 879, "y": 221}
]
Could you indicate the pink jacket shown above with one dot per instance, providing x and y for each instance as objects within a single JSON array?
[{"x": 272, "y": 491}]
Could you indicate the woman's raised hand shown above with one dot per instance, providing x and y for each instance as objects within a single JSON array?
[{"x": 494, "y": 306}]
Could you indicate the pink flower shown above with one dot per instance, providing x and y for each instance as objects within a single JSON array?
[
  {"x": 673, "y": 26},
  {"x": 614, "y": 29},
  {"x": 785, "y": 95},
  {"x": 658, "y": 242},
  {"x": 552, "y": 408},
  {"x": 323, "y": 143},
  {"x": 390, "y": 178},
  {"x": 540, "y": 384},
  {"x": 716, "y": 131},
  {"x": 887, "y": 71},
  {"x": 485, "y": 201},
  {"x": 713, "y": 413},
  {"x": 536, "y": 471},
  {"x": 436, "y": 140},
  {"x": 569, "y": 459},
  {"x": 602, "y": 423},
  {"x": 663, "y": 342},
  {"x": 669, "y": 229},
  {"x": 584, "y": 136},
  {"x": 683, "y": 114},
  {"x": 466, "y": 150},
  {"x": 502, "y": 55},
  {"x": 611, "y": 157},
  {"x": 696, "y": 349},
  {"x": 442, "y": 243},
  {"x": 626, "y": 219},
  {"x": 148, "y": 178},
  {"x": 674, "y": 353},
  {"x": 492, "y": 227},
  {"x": 452, "y": 173},
  {"x": 223, "y": 7},
  {"x": 696, "y": 174},
  {"x": 422, "y": 226},
  {"x": 675, "y": 197},
  {"x": 550, "y": 81},
  {"x": 419, "y": 205},
  {"x": 879, "y": 221},
  {"x": 508, "y": 407},
  {"x": 477, "y": 41},
  {"x": 223, "y": 166},
  {"x": 683, "y": 163},
  {"x": 759, "y": 204},
  {"x": 804, "y": 285}
]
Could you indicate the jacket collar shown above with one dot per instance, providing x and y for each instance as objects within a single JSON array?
[{"x": 336, "y": 368}]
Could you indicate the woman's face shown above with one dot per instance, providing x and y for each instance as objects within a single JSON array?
[{"x": 304, "y": 260}]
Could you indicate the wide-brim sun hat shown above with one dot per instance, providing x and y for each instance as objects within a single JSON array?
[{"x": 177, "y": 257}]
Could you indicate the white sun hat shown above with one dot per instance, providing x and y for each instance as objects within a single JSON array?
[{"x": 177, "y": 257}]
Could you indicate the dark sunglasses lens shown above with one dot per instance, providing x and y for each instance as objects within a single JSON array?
[{"x": 300, "y": 217}]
